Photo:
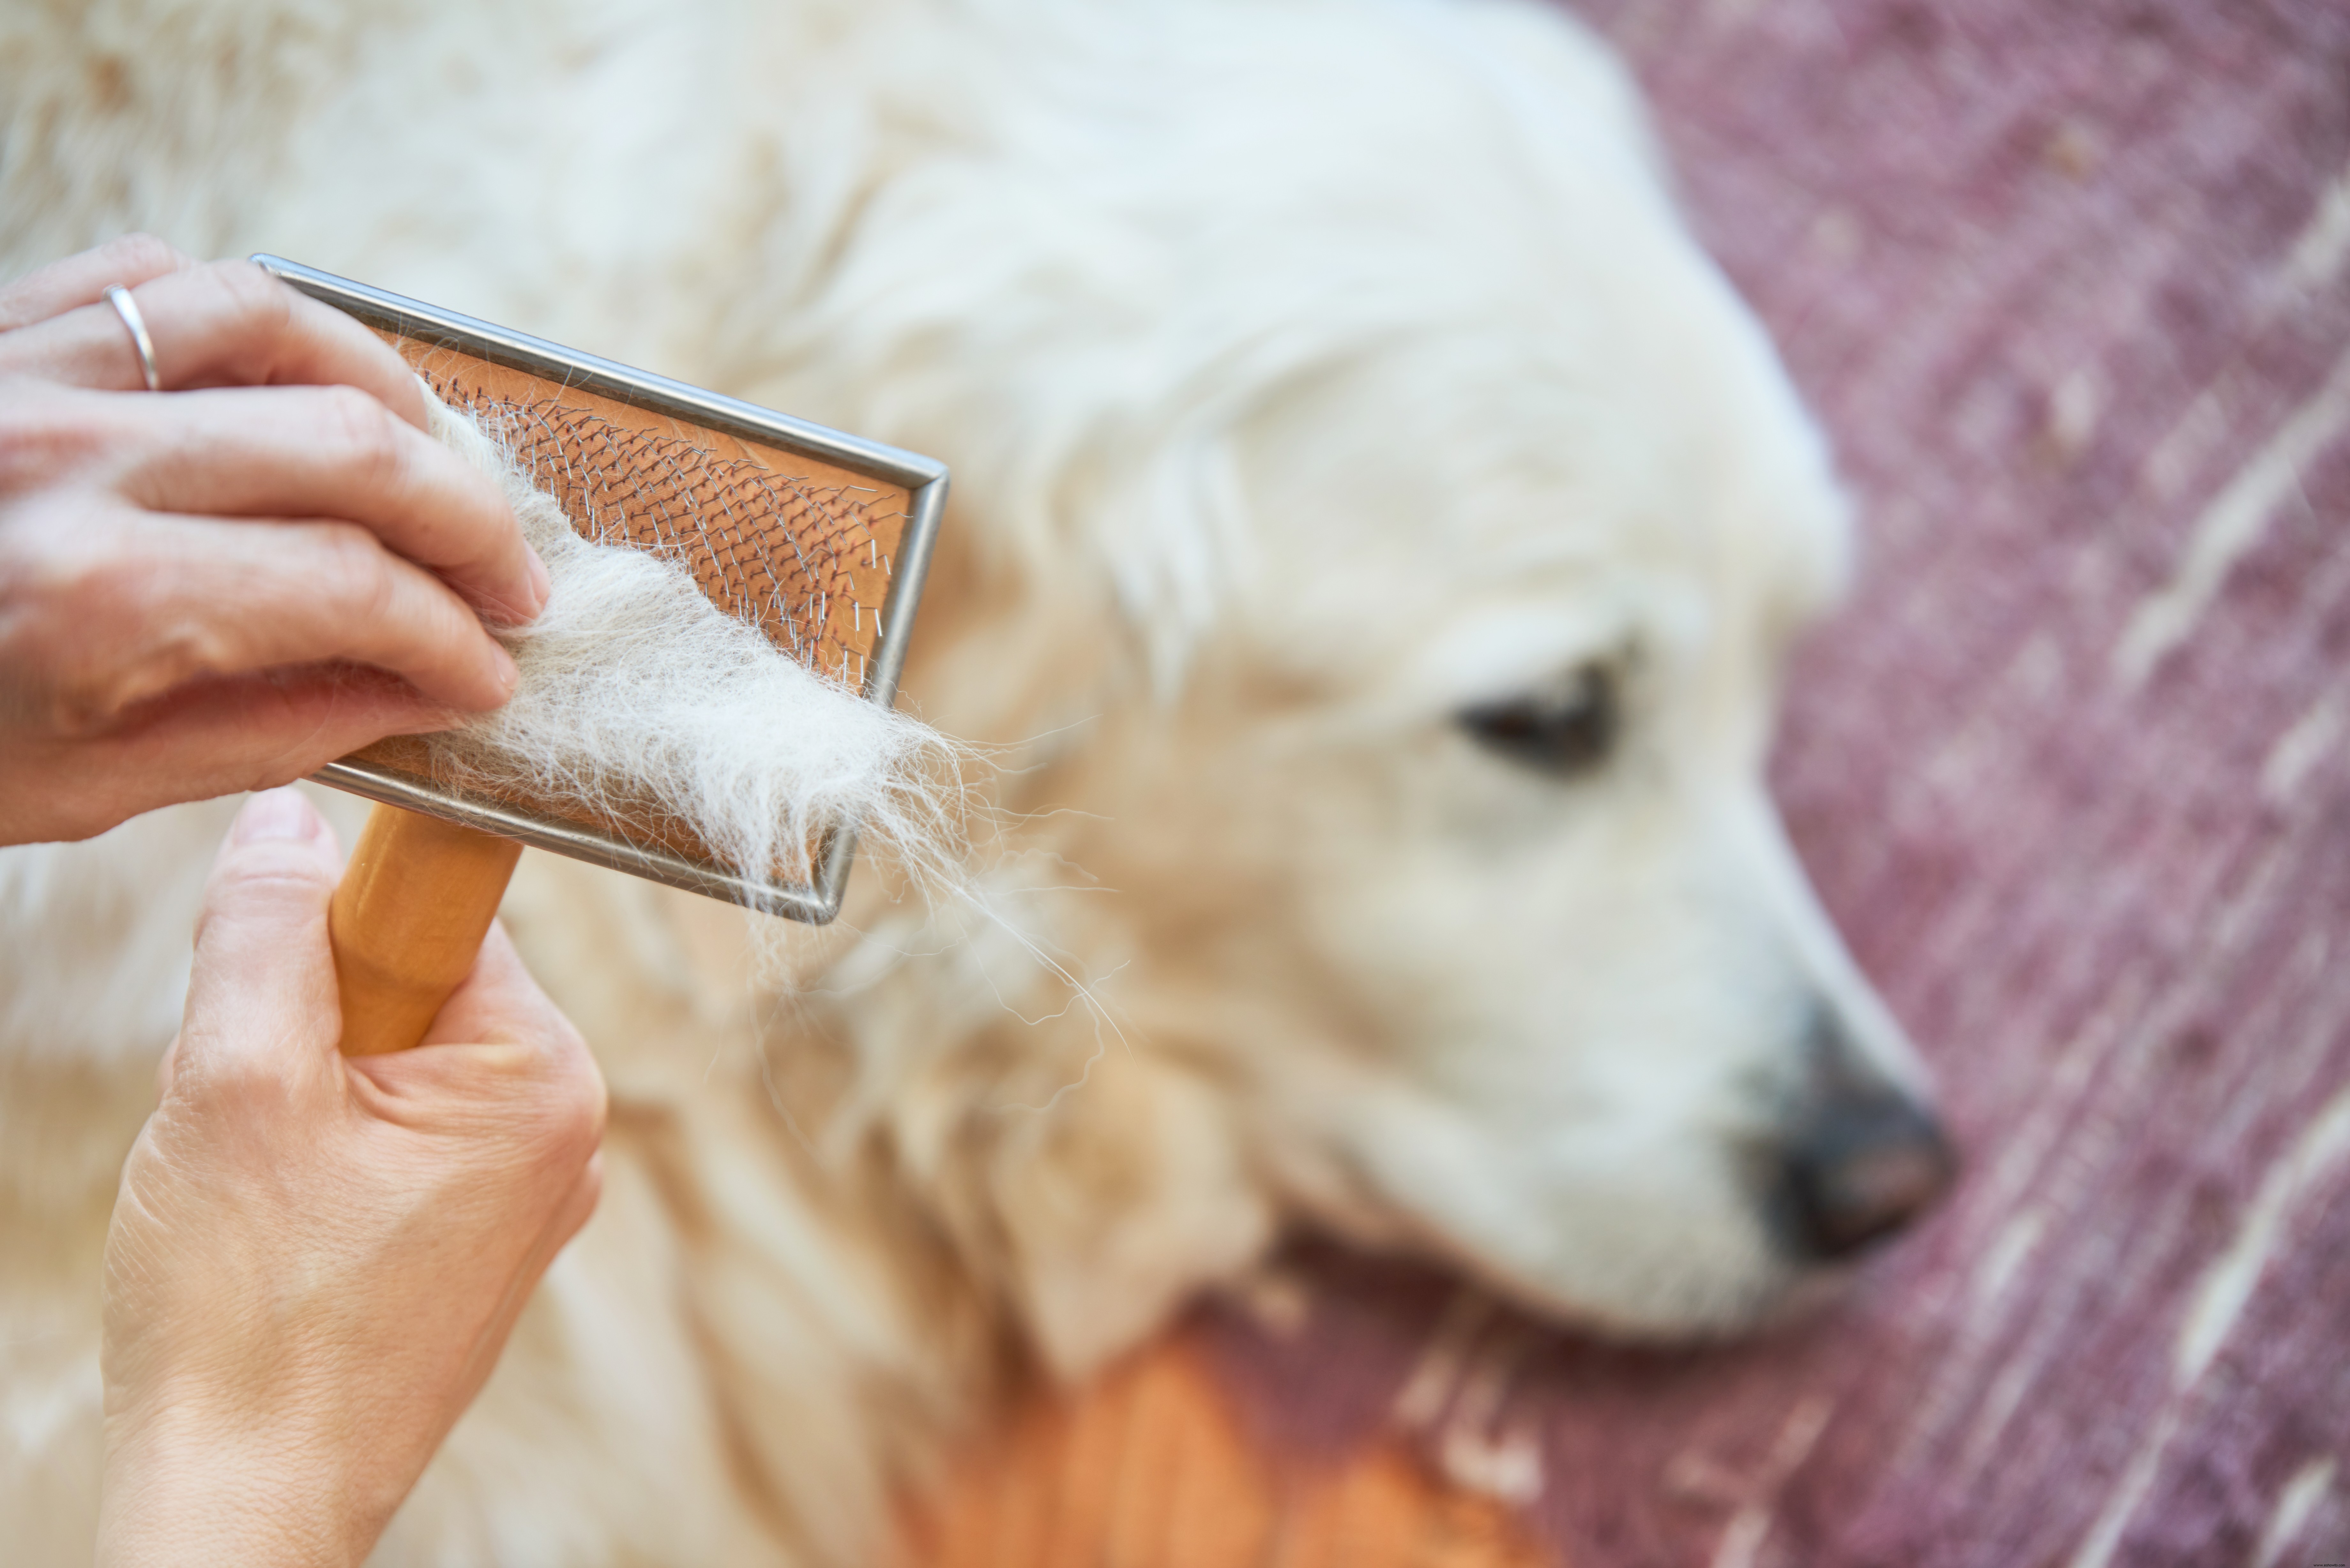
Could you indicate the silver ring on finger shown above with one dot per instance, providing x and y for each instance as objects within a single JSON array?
[{"x": 128, "y": 308}]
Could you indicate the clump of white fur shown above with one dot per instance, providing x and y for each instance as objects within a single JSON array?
[{"x": 637, "y": 693}]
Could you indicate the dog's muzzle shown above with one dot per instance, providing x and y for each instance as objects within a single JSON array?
[{"x": 1861, "y": 1161}]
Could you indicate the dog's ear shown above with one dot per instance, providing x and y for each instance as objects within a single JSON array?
[
  {"x": 1090, "y": 1178},
  {"x": 1119, "y": 1203}
]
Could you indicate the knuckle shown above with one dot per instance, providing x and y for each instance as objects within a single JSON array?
[
  {"x": 346, "y": 573},
  {"x": 145, "y": 255},
  {"x": 63, "y": 597},
  {"x": 43, "y": 567},
  {"x": 234, "y": 1083},
  {"x": 352, "y": 572},
  {"x": 248, "y": 290},
  {"x": 64, "y": 593},
  {"x": 47, "y": 435},
  {"x": 365, "y": 435},
  {"x": 267, "y": 880},
  {"x": 575, "y": 1106},
  {"x": 259, "y": 309}
]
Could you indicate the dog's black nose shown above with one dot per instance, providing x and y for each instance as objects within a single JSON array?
[{"x": 1862, "y": 1166}]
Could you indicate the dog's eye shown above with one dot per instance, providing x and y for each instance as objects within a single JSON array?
[{"x": 1565, "y": 727}]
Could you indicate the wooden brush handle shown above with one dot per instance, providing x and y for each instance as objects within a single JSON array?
[{"x": 407, "y": 922}]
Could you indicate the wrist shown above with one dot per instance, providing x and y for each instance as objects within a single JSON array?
[{"x": 193, "y": 1490}]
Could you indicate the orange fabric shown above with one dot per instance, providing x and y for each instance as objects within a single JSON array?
[{"x": 1148, "y": 1468}]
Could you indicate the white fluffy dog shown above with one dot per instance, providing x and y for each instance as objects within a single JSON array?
[{"x": 1377, "y": 528}]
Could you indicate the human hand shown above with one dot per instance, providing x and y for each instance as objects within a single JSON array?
[
  {"x": 314, "y": 1262},
  {"x": 228, "y": 585}
]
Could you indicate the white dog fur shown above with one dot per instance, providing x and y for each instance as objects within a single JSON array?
[
  {"x": 634, "y": 691},
  {"x": 1311, "y": 371}
]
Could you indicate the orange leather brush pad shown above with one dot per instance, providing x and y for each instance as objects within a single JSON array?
[{"x": 802, "y": 549}]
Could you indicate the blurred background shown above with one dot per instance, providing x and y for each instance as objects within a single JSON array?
[{"x": 2067, "y": 286}]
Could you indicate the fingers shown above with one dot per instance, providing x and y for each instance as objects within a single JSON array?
[
  {"x": 161, "y": 601},
  {"x": 260, "y": 1005},
  {"x": 335, "y": 453},
  {"x": 288, "y": 452},
  {"x": 217, "y": 325},
  {"x": 209, "y": 738},
  {"x": 80, "y": 280}
]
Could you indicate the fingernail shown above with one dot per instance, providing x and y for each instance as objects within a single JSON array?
[
  {"x": 539, "y": 581},
  {"x": 276, "y": 813},
  {"x": 503, "y": 667}
]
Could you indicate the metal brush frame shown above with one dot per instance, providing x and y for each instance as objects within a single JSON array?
[{"x": 925, "y": 479}]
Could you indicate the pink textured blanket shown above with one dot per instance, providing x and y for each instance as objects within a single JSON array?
[{"x": 2067, "y": 283}]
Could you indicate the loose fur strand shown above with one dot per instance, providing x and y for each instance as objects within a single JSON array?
[{"x": 635, "y": 692}]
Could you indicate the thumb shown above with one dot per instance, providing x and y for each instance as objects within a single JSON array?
[{"x": 261, "y": 995}]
